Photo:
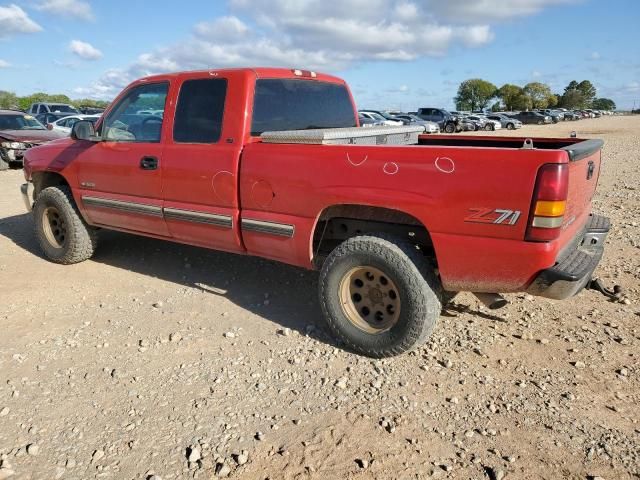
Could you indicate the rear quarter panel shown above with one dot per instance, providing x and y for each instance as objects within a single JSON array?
[{"x": 440, "y": 186}]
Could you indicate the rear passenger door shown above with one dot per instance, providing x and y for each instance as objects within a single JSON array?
[{"x": 200, "y": 168}]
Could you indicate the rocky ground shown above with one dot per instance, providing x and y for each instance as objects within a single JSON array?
[{"x": 156, "y": 360}]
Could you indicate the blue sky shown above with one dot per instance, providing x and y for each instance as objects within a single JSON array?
[{"x": 394, "y": 53}]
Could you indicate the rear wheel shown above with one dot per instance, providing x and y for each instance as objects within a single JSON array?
[
  {"x": 62, "y": 233},
  {"x": 379, "y": 295}
]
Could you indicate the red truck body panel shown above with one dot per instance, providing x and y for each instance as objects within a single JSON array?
[{"x": 241, "y": 187}]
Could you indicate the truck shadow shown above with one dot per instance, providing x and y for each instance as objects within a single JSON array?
[{"x": 280, "y": 293}]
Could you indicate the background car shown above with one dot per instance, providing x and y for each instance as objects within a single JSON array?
[
  {"x": 379, "y": 115},
  {"x": 369, "y": 122},
  {"x": 410, "y": 119},
  {"x": 446, "y": 121},
  {"x": 47, "y": 107},
  {"x": 488, "y": 124},
  {"x": 18, "y": 132},
  {"x": 505, "y": 121},
  {"x": 65, "y": 124},
  {"x": 534, "y": 118},
  {"x": 379, "y": 118},
  {"x": 47, "y": 118}
]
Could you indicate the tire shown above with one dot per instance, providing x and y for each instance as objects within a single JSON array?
[
  {"x": 511, "y": 126},
  {"x": 489, "y": 127},
  {"x": 63, "y": 235},
  {"x": 449, "y": 128},
  {"x": 540, "y": 123},
  {"x": 393, "y": 264},
  {"x": 3, "y": 165}
]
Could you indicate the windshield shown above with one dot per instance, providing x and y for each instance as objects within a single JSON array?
[
  {"x": 288, "y": 104},
  {"x": 20, "y": 122}
]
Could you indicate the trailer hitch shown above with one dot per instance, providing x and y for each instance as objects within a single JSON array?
[{"x": 617, "y": 293}]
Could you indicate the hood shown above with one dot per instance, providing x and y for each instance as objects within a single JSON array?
[{"x": 30, "y": 136}]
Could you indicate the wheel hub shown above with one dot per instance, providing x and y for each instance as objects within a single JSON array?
[
  {"x": 370, "y": 299},
  {"x": 54, "y": 226}
]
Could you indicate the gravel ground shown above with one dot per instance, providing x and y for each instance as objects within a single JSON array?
[{"x": 156, "y": 360}]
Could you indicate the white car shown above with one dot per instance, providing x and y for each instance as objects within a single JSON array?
[
  {"x": 65, "y": 124},
  {"x": 491, "y": 124},
  {"x": 379, "y": 118}
]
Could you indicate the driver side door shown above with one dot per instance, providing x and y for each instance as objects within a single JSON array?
[{"x": 120, "y": 177}]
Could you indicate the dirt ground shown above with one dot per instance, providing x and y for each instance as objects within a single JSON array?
[{"x": 157, "y": 360}]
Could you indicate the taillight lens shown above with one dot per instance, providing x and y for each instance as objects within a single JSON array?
[{"x": 549, "y": 203}]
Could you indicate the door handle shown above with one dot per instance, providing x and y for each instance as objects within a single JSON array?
[{"x": 149, "y": 163}]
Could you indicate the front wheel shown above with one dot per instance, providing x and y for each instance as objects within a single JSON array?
[
  {"x": 379, "y": 295},
  {"x": 510, "y": 126},
  {"x": 449, "y": 128},
  {"x": 489, "y": 127},
  {"x": 63, "y": 235}
]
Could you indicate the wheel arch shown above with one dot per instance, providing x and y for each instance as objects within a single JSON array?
[
  {"x": 338, "y": 222},
  {"x": 45, "y": 179}
]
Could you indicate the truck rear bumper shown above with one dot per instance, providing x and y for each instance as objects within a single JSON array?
[{"x": 574, "y": 267}]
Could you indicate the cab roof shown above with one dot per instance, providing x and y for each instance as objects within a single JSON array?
[{"x": 258, "y": 72}]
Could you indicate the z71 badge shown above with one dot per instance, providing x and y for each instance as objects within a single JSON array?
[{"x": 496, "y": 216}]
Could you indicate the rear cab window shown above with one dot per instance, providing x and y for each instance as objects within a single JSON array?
[
  {"x": 198, "y": 117},
  {"x": 297, "y": 104}
]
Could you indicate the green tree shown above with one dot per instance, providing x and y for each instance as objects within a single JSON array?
[
  {"x": 512, "y": 97},
  {"x": 603, "y": 104},
  {"x": 474, "y": 94},
  {"x": 496, "y": 107},
  {"x": 8, "y": 99},
  {"x": 572, "y": 99},
  {"x": 539, "y": 94},
  {"x": 573, "y": 85},
  {"x": 588, "y": 91}
]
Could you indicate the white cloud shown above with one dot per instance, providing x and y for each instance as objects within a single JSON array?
[
  {"x": 490, "y": 10},
  {"x": 67, "y": 8},
  {"x": 15, "y": 20},
  {"x": 84, "y": 50},
  {"x": 324, "y": 35},
  {"x": 4, "y": 64},
  {"x": 595, "y": 56}
]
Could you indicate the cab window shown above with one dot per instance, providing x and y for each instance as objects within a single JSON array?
[
  {"x": 200, "y": 110},
  {"x": 138, "y": 117}
]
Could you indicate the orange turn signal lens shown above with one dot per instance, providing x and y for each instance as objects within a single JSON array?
[{"x": 547, "y": 208}]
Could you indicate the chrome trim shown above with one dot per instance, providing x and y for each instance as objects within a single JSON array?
[
  {"x": 26, "y": 189},
  {"x": 547, "y": 222},
  {"x": 273, "y": 228},
  {"x": 198, "y": 217},
  {"x": 133, "y": 207}
]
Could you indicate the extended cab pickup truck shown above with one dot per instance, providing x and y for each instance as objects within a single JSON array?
[{"x": 237, "y": 161}]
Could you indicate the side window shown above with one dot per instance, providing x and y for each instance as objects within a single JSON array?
[
  {"x": 138, "y": 116},
  {"x": 437, "y": 114},
  {"x": 43, "y": 109},
  {"x": 200, "y": 110}
]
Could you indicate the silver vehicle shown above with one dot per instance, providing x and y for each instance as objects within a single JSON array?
[
  {"x": 505, "y": 121},
  {"x": 487, "y": 124},
  {"x": 409, "y": 119}
]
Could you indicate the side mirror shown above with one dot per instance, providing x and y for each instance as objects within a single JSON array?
[
  {"x": 49, "y": 126},
  {"x": 84, "y": 130}
]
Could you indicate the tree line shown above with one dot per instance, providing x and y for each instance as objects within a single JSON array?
[
  {"x": 9, "y": 100},
  {"x": 478, "y": 94}
]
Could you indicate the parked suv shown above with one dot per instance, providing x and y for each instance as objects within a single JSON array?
[
  {"x": 42, "y": 107},
  {"x": 446, "y": 121}
]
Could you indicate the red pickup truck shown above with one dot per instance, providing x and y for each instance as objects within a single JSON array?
[{"x": 237, "y": 160}]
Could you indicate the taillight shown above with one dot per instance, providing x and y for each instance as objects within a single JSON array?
[{"x": 549, "y": 203}]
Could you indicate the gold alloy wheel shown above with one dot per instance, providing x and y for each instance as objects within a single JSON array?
[
  {"x": 369, "y": 299},
  {"x": 54, "y": 227}
]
